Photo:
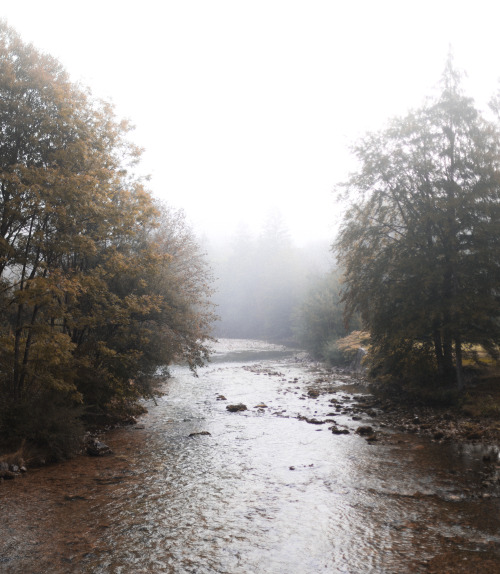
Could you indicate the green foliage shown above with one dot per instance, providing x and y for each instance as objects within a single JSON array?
[
  {"x": 48, "y": 422},
  {"x": 319, "y": 320},
  {"x": 420, "y": 243},
  {"x": 99, "y": 287}
]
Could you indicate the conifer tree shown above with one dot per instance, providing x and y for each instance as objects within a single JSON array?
[{"x": 420, "y": 242}]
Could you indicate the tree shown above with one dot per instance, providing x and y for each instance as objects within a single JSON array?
[
  {"x": 420, "y": 241},
  {"x": 100, "y": 286},
  {"x": 319, "y": 318}
]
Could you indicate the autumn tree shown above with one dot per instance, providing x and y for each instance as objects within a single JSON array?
[
  {"x": 420, "y": 242},
  {"x": 100, "y": 286}
]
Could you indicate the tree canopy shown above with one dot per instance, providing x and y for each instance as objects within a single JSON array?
[
  {"x": 420, "y": 242},
  {"x": 99, "y": 285}
]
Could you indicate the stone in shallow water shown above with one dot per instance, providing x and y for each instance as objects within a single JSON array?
[
  {"x": 236, "y": 408},
  {"x": 336, "y": 430},
  {"x": 364, "y": 430},
  {"x": 98, "y": 448}
]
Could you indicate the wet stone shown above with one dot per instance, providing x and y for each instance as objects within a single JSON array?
[
  {"x": 364, "y": 430},
  {"x": 98, "y": 448},
  {"x": 312, "y": 421},
  {"x": 336, "y": 430},
  {"x": 236, "y": 408}
]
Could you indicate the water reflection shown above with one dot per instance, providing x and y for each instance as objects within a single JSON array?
[{"x": 264, "y": 492}]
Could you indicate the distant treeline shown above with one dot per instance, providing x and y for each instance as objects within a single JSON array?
[{"x": 268, "y": 288}]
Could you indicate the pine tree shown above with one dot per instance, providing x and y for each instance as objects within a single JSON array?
[{"x": 420, "y": 242}]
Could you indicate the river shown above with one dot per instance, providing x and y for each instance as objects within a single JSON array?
[{"x": 264, "y": 492}]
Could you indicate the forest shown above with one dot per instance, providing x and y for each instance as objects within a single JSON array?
[
  {"x": 417, "y": 270},
  {"x": 102, "y": 287}
]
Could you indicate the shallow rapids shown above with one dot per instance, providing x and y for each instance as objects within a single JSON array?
[{"x": 265, "y": 492}]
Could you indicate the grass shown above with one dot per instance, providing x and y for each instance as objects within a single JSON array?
[{"x": 482, "y": 396}]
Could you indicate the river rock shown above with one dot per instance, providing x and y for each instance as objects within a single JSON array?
[
  {"x": 98, "y": 448},
  {"x": 364, "y": 430},
  {"x": 201, "y": 433},
  {"x": 236, "y": 408},
  {"x": 5, "y": 472},
  {"x": 474, "y": 435},
  {"x": 336, "y": 430},
  {"x": 312, "y": 421}
]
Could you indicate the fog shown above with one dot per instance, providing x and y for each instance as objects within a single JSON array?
[{"x": 245, "y": 108}]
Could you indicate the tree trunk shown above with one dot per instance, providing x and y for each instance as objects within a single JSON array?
[
  {"x": 458, "y": 363},
  {"x": 448, "y": 367}
]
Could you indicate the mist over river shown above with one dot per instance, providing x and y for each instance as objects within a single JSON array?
[{"x": 268, "y": 490}]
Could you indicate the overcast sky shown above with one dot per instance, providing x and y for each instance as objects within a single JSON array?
[{"x": 248, "y": 106}]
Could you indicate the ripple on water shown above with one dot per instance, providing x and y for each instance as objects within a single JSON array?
[{"x": 230, "y": 501}]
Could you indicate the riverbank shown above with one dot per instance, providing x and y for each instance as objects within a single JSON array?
[{"x": 474, "y": 418}]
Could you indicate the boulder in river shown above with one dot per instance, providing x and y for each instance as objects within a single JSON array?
[
  {"x": 336, "y": 430},
  {"x": 236, "y": 408},
  {"x": 364, "y": 430},
  {"x": 97, "y": 448},
  {"x": 201, "y": 433}
]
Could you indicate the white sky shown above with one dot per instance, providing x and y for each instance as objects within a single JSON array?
[{"x": 245, "y": 106}]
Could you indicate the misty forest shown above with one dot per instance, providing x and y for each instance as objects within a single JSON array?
[{"x": 197, "y": 364}]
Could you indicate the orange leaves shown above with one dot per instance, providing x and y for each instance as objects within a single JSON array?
[{"x": 100, "y": 284}]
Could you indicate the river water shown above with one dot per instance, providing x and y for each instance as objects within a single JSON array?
[{"x": 264, "y": 492}]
